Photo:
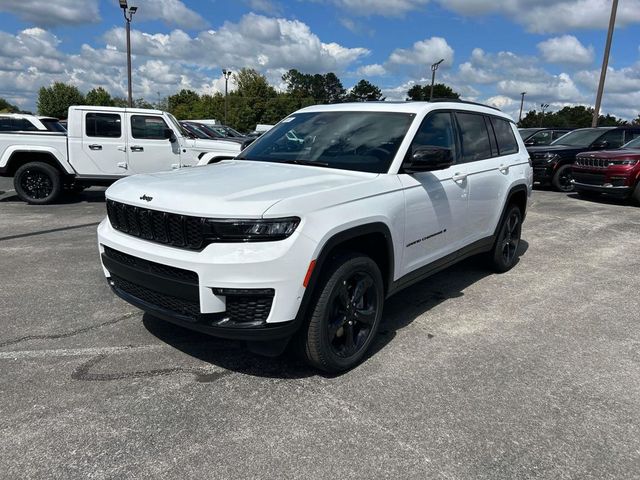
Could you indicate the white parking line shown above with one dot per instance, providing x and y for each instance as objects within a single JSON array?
[{"x": 74, "y": 352}]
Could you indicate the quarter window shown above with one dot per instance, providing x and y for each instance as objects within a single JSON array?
[
  {"x": 614, "y": 138},
  {"x": 107, "y": 125},
  {"x": 475, "y": 137},
  {"x": 507, "y": 143},
  {"x": 148, "y": 127},
  {"x": 436, "y": 130}
]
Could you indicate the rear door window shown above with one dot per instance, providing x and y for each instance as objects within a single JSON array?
[
  {"x": 107, "y": 125},
  {"x": 475, "y": 137},
  {"x": 614, "y": 138},
  {"x": 507, "y": 143}
]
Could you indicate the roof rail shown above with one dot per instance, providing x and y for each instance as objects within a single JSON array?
[{"x": 458, "y": 100}]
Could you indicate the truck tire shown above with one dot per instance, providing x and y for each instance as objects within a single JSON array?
[
  {"x": 505, "y": 251},
  {"x": 37, "y": 183},
  {"x": 561, "y": 180},
  {"x": 635, "y": 196},
  {"x": 345, "y": 315}
]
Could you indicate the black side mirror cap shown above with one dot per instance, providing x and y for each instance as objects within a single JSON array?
[
  {"x": 169, "y": 135},
  {"x": 428, "y": 158}
]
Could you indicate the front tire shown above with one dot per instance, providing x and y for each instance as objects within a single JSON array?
[
  {"x": 37, "y": 183},
  {"x": 505, "y": 251},
  {"x": 346, "y": 314},
  {"x": 561, "y": 180}
]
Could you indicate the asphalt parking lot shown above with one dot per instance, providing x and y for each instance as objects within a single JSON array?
[{"x": 530, "y": 374}]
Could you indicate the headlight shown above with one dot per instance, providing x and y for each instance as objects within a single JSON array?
[
  {"x": 250, "y": 230},
  {"x": 550, "y": 157},
  {"x": 629, "y": 162}
]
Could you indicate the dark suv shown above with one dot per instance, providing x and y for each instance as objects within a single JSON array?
[
  {"x": 534, "y": 137},
  {"x": 552, "y": 164}
]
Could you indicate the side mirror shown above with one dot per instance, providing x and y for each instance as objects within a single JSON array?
[
  {"x": 600, "y": 144},
  {"x": 169, "y": 135},
  {"x": 428, "y": 158}
]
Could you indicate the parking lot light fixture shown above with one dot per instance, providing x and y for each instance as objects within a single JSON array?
[
  {"x": 226, "y": 74},
  {"x": 543, "y": 107},
  {"x": 128, "y": 15},
  {"x": 434, "y": 68}
]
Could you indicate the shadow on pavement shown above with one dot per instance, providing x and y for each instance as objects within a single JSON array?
[{"x": 400, "y": 311}]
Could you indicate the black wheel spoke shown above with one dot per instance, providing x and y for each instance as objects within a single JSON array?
[
  {"x": 334, "y": 327},
  {"x": 366, "y": 316},
  {"x": 349, "y": 339},
  {"x": 361, "y": 288}
]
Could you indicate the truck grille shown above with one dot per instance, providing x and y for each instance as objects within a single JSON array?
[
  {"x": 589, "y": 178},
  {"x": 593, "y": 162},
  {"x": 180, "y": 231}
]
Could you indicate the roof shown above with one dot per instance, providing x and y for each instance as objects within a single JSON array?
[
  {"x": 406, "y": 107},
  {"x": 118, "y": 109}
]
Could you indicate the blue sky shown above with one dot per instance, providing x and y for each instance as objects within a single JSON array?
[{"x": 493, "y": 49}]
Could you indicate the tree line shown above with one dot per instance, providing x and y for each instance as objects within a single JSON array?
[{"x": 255, "y": 101}]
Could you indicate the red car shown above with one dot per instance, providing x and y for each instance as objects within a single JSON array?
[{"x": 614, "y": 172}]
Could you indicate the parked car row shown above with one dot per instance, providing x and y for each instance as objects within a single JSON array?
[{"x": 590, "y": 161}]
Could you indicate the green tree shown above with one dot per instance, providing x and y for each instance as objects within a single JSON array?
[
  {"x": 54, "y": 101},
  {"x": 637, "y": 121},
  {"x": 569, "y": 117},
  {"x": 423, "y": 93},
  {"x": 325, "y": 88},
  {"x": 185, "y": 104},
  {"x": 6, "y": 107},
  {"x": 364, "y": 91},
  {"x": 99, "y": 97}
]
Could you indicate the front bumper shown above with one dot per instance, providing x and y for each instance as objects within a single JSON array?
[
  {"x": 614, "y": 180},
  {"x": 612, "y": 190},
  {"x": 543, "y": 172},
  {"x": 193, "y": 289}
]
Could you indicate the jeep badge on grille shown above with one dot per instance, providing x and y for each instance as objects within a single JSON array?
[{"x": 146, "y": 198}]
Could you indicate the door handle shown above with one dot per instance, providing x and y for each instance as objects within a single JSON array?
[
  {"x": 504, "y": 169},
  {"x": 459, "y": 177},
  {"x": 137, "y": 149},
  {"x": 95, "y": 147}
]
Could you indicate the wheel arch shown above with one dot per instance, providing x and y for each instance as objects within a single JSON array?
[
  {"x": 372, "y": 239},
  {"x": 19, "y": 157},
  {"x": 518, "y": 195}
]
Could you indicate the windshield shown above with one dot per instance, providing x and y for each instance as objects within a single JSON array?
[
  {"x": 231, "y": 132},
  {"x": 580, "y": 138},
  {"x": 635, "y": 143},
  {"x": 359, "y": 141},
  {"x": 527, "y": 132},
  {"x": 177, "y": 125}
]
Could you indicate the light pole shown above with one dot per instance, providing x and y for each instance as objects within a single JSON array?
[
  {"x": 128, "y": 15},
  {"x": 521, "y": 106},
  {"x": 605, "y": 63},
  {"x": 434, "y": 67},
  {"x": 543, "y": 107},
  {"x": 226, "y": 74}
]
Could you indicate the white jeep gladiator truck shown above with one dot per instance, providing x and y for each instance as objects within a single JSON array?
[
  {"x": 102, "y": 145},
  {"x": 302, "y": 239}
]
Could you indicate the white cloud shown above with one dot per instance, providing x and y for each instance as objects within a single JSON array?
[
  {"x": 373, "y": 70},
  {"x": 50, "y": 13},
  {"x": 387, "y": 8},
  {"x": 265, "y": 6},
  {"x": 171, "y": 12},
  {"x": 566, "y": 49},
  {"x": 424, "y": 53}
]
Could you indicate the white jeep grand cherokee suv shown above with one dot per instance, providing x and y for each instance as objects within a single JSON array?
[{"x": 304, "y": 239}]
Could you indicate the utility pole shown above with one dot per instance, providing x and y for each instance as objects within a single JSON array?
[
  {"x": 434, "y": 68},
  {"x": 521, "y": 107},
  {"x": 128, "y": 15},
  {"x": 605, "y": 63},
  {"x": 226, "y": 74}
]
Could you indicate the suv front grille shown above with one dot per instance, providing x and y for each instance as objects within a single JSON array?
[
  {"x": 180, "y": 231},
  {"x": 593, "y": 162}
]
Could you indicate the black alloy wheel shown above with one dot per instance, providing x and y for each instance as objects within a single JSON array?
[
  {"x": 345, "y": 314},
  {"x": 37, "y": 183},
  {"x": 505, "y": 251},
  {"x": 352, "y": 314},
  {"x": 562, "y": 180}
]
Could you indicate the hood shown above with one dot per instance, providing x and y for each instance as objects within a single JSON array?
[
  {"x": 231, "y": 188},
  {"x": 554, "y": 149},
  {"x": 217, "y": 145},
  {"x": 620, "y": 153}
]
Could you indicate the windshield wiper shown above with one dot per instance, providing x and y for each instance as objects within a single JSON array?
[{"x": 305, "y": 162}]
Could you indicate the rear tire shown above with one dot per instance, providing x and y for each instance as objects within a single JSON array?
[
  {"x": 561, "y": 180},
  {"x": 37, "y": 183},
  {"x": 345, "y": 315},
  {"x": 505, "y": 251}
]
